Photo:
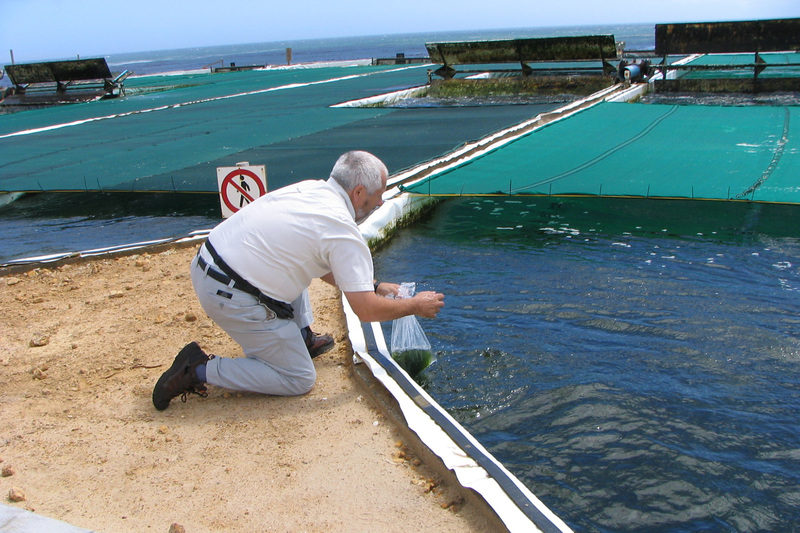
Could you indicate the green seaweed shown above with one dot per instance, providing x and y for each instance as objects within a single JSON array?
[
  {"x": 413, "y": 361},
  {"x": 518, "y": 86}
]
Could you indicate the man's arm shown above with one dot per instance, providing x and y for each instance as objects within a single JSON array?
[
  {"x": 370, "y": 307},
  {"x": 383, "y": 288}
]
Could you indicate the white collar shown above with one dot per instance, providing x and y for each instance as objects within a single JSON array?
[{"x": 340, "y": 190}]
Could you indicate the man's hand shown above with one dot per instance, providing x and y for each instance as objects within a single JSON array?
[
  {"x": 429, "y": 303},
  {"x": 387, "y": 289},
  {"x": 370, "y": 307}
]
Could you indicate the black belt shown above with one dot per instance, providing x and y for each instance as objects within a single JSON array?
[
  {"x": 281, "y": 309},
  {"x": 219, "y": 276}
]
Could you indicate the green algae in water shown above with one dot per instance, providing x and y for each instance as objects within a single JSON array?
[{"x": 413, "y": 361}]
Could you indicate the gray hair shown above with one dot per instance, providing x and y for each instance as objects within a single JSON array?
[{"x": 359, "y": 168}]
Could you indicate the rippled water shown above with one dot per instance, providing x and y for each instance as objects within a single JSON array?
[
  {"x": 634, "y": 362},
  {"x": 58, "y": 223}
]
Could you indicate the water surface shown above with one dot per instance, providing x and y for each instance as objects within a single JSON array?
[{"x": 634, "y": 362}]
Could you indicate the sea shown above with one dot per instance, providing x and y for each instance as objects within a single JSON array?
[{"x": 634, "y": 362}]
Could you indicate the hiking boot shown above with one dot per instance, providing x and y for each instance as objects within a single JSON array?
[
  {"x": 181, "y": 378},
  {"x": 317, "y": 344}
]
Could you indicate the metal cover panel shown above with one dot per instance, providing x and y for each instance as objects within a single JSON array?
[
  {"x": 775, "y": 35},
  {"x": 53, "y": 71},
  {"x": 521, "y": 50}
]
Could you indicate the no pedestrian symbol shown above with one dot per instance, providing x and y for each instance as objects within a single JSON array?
[{"x": 240, "y": 185}]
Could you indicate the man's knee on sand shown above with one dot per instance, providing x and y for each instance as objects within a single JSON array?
[
  {"x": 251, "y": 374},
  {"x": 300, "y": 383},
  {"x": 291, "y": 386}
]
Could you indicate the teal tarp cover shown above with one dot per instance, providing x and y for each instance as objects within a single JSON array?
[
  {"x": 776, "y": 65},
  {"x": 171, "y": 132},
  {"x": 624, "y": 149}
]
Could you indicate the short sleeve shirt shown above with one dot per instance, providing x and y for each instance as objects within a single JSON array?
[{"x": 286, "y": 238}]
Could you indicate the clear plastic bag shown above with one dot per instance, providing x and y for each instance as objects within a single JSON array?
[{"x": 410, "y": 347}]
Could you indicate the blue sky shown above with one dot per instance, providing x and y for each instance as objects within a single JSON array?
[{"x": 55, "y": 29}]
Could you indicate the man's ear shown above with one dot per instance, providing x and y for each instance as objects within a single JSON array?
[{"x": 359, "y": 191}]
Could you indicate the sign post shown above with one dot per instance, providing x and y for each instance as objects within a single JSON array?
[{"x": 240, "y": 185}]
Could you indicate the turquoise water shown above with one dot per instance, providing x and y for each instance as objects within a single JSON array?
[
  {"x": 634, "y": 362},
  {"x": 52, "y": 223}
]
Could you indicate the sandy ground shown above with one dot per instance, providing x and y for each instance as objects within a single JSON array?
[{"x": 81, "y": 347}]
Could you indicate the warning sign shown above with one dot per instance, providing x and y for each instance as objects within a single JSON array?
[{"x": 240, "y": 185}]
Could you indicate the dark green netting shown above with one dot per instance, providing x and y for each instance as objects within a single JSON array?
[
  {"x": 173, "y": 139},
  {"x": 102, "y": 144},
  {"x": 400, "y": 138},
  {"x": 617, "y": 149},
  {"x": 176, "y": 90}
]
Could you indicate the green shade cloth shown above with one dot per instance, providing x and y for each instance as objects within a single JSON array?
[
  {"x": 778, "y": 65},
  {"x": 171, "y": 132},
  {"x": 624, "y": 149}
]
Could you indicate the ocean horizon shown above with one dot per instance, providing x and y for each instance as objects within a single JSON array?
[{"x": 636, "y": 36}]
